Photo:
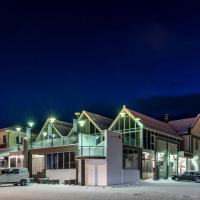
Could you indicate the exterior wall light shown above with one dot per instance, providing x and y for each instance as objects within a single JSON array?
[
  {"x": 122, "y": 114},
  {"x": 18, "y": 129},
  {"x": 45, "y": 134},
  {"x": 81, "y": 123},
  {"x": 52, "y": 120}
]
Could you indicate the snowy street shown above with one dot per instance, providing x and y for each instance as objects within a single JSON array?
[{"x": 161, "y": 190}]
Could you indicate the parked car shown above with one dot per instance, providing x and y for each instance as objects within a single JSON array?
[
  {"x": 187, "y": 176},
  {"x": 15, "y": 176}
]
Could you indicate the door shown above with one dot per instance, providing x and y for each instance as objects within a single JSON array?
[
  {"x": 186, "y": 176},
  {"x": 4, "y": 176},
  {"x": 13, "y": 176}
]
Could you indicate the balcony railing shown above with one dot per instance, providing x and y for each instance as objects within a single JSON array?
[
  {"x": 56, "y": 142},
  {"x": 3, "y": 146},
  {"x": 91, "y": 151}
]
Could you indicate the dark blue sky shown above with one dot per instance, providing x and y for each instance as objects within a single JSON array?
[{"x": 58, "y": 58}]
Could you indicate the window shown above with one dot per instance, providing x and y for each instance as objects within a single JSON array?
[
  {"x": 145, "y": 139},
  {"x": 61, "y": 160},
  {"x": 55, "y": 161},
  {"x": 66, "y": 160},
  {"x": 49, "y": 161},
  {"x": 196, "y": 144},
  {"x": 72, "y": 160},
  {"x": 130, "y": 159},
  {"x": 4, "y": 171},
  {"x": 12, "y": 162},
  {"x": 18, "y": 140},
  {"x": 14, "y": 171},
  {"x": 4, "y": 139}
]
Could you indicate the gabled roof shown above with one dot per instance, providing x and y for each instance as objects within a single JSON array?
[
  {"x": 182, "y": 125},
  {"x": 100, "y": 121},
  {"x": 152, "y": 123},
  {"x": 63, "y": 128},
  {"x": 13, "y": 129},
  {"x": 60, "y": 127}
]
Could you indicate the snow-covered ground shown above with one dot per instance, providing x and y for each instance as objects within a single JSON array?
[{"x": 154, "y": 190}]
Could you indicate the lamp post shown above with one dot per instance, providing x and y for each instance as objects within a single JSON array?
[
  {"x": 82, "y": 124},
  {"x": 28, "y": 130},
  {"x": 44, "y": 134},
  {"x": 50, "y": 129},
  {"x": 18, "y": 129},
  {"x": 123, "y": 115}
]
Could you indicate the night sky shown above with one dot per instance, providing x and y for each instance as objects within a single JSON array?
[{"x": 58, "y": 58}]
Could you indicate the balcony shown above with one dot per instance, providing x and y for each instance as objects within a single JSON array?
[
  {"x": 91, "y": 151},
  {"x": 3, "y": 146},
  {"x": 56, "y": 142}
]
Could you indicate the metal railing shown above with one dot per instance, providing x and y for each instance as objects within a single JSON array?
[
  {"x": 55, "y": 142},
  {"x": 91, "y": 151}
]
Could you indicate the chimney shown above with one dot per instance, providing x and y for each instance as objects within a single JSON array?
[{"x": 166, "y": 118}]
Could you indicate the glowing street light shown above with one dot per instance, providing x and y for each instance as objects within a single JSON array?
[
  {"x": 122, "y": 114},
  {"x": 18, "y": 129},
  {"x": 52, "y": 120},
  {"x": 31, "y": 124},
  {"x": 45, "y": 134}
]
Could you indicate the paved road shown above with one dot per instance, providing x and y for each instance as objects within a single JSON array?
[{"x": 145, "y": 191}]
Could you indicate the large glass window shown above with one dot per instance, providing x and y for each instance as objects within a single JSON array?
[
  {"x": 4, "y": 139},
  {"x": 129, "y": 129},
  {"x": 13, "y": 162},
  {"x": 196, "y": 144},
  {"x": 61, "y": 160},
  {"x": 130, "y": 158},
  {"x": 49, "y": 161},
  {"x": 72, "y": 160},
  {"x": 66, "y": 160}
]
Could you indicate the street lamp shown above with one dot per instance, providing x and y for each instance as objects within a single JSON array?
[
  {"x": 31, "y": 124},
  {"x": 82, "y": 124},
  {"x": 52, "y": 121},
  {"x": 18, "y": 129},
  {"x": 122, "y": 116},
  {"x": 28, "y": 129}
]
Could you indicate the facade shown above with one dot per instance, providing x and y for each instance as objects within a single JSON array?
[
  {"x": 100, "y": 153},
  {"x": 150, "y": 145},
  {"x": 96, "y": 150},
  {"x": 11, "y": 148},
  {"x": 53, "y": 153},
  {"x": 189, "y": 130}
]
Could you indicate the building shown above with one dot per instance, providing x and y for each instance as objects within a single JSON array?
[
  {"x": 11, "y": 147},
  {"x": 96, "y": 150},
  {"x": 150, "y": 145},
  {"x": 100, "y": 153},
  {"x": 53, "y": 152},
  {"x": 189, "y": 130}
]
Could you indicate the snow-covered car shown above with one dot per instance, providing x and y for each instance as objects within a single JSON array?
[
  {"x": 14, "y": 176},
  {"x": 187, "y": 176}
]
